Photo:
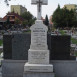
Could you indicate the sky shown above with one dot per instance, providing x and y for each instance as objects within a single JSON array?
[{"x": 46, "y": 9}]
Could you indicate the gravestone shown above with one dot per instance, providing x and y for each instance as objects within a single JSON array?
[
  {"x": 38, "y": 54},
  {"x": 62, "y": 68},
  {"x": 60, "y": 47},
  {"x": 15, "y": 47},
  {"x": 7, "y": 47},
  {"x": 38, "y": 48}
]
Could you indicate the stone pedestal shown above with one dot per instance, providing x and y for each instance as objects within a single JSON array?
[
  {"x": 38, "y": 56},
  {"x": 48, "y": 68},
  {"x": 35, "y": 74}
]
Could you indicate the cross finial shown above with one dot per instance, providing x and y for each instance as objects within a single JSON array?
[{"x": 39, "y": 3}]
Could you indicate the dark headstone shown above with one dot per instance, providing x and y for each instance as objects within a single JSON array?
[
  {"x": 20, "y": 46},
  {"x": 72, "y": 57},
  {"x": 7, "y": 46},
  {"x": 60, "y": 47},
  {"x": 16, "y": 46}
]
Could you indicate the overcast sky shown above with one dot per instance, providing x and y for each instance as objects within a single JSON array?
[{"x": 46, "y": 9}]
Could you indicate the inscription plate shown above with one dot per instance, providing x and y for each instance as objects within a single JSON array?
[
  {"x": 39, "y": 36},
  {"x": 38, "y": 57}
]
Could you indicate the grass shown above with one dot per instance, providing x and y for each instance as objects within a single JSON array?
[
  {"x": 75, "y": 53},
  {"x": 27, "y": 31},
  {"x": 74, "y": 41},
  {"x": 62, "y": 32},
  {"x": 1, "y": 42}
]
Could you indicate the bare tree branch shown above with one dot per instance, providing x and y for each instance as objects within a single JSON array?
[{"x": 6, "y": 1}]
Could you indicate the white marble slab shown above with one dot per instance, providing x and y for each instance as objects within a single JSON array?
[
  {"x": 38, "y": 67},
  {"x": 38, "y": 56},
  {"x": 39, "y": 36}
]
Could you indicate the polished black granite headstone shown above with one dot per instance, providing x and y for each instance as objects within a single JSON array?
[
  {"x": 16, "y": 46},
  {"x": 20, "y": 46},
  {"x": 7, "y": 46},
  {"x": 60, "y": 47}
]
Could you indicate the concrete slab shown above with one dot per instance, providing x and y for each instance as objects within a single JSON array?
[{"x": 61, "y": 68}]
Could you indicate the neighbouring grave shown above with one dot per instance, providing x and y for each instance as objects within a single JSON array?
[
  {"x": 16, "y": 47},
  {"x": 62, "y": 68},
  {"x": 60, "y": 47}
]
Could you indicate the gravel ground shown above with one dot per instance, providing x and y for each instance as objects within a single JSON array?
[
  {"x": 0, "y": 72},
  {"x": 1, "y": 68}
]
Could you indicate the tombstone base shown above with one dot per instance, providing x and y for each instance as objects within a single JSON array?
[
  {"x": 38, "y": 56},
  {"x": 34, "y": 74},
  {"x": 38, "y": 68}
]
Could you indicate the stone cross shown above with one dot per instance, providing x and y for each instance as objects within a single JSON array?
[{"x": 39, "y": 3}]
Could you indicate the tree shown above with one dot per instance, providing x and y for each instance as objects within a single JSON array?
[
  {"x": 46, "y": 22},
  {"x": 8, "y": 23},
  {"x": 24, "y": 23},
  {"x": 17, "y": 21},
  {"x": 56, "y": 17},
  {"x": 6, "y": 1},
  {"x": 64, "y": 17},
  {"x": 29, "y": 17}
]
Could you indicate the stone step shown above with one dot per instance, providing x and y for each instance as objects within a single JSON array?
[{"x": 34, "y": 74}]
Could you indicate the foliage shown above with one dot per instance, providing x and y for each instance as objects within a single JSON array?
[
  {"x": 75, "y": 53},
  {"x": 74, "y": 41},
  {"x": 17, "y": 21},
  {"x": 7, "y": 24},
  {"x": 64, "y": 17},
  {"x": 62, "y": 32},
  {"x": 24, "y": 23},
  {"x": 8, "y": 21},
  {"x": 29, "y": 17},
  {"x": 6, "y": 1},
  {"x": 46, "y": 22},
  {"x": 56, "y": 16}
]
